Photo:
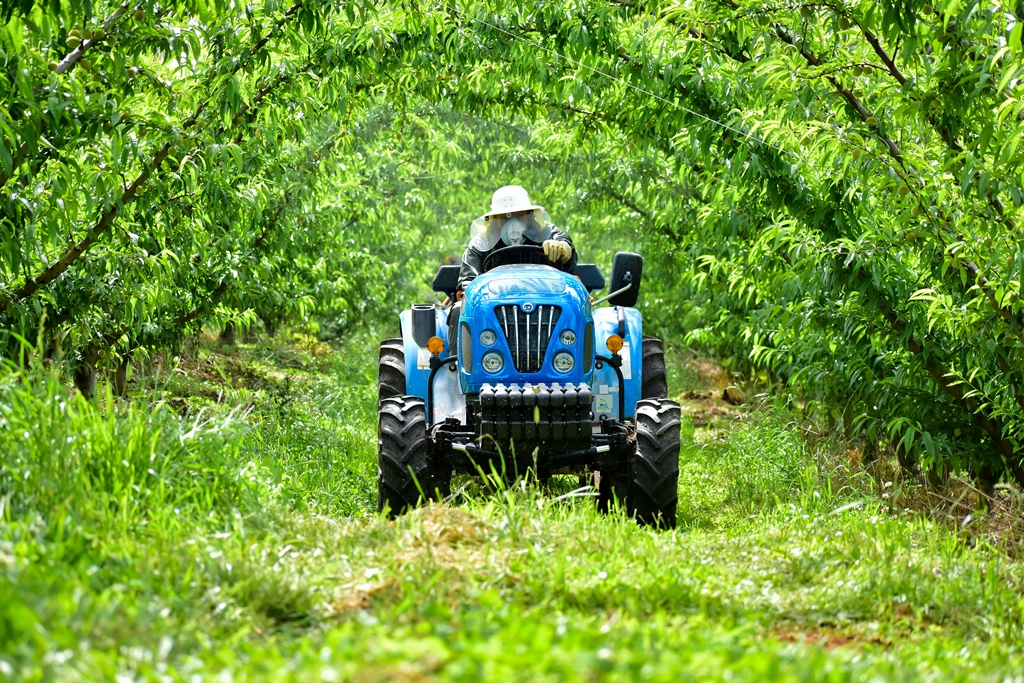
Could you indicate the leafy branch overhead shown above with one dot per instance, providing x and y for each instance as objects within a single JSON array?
[{"x": 828, "y": 193}]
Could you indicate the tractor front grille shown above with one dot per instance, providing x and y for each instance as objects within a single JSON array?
[{"x": 528, "y": 333}]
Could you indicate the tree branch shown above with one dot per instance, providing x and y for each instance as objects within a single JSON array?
[
  {"x": 51, "y": 273},
  {"x": 72, "y": 57}
]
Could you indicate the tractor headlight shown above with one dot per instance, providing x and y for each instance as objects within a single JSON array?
[
  {"x": 466, "y": 348},
  {"x": 588, "y": 347},
  {"x": 493, "y": 362},
  {"x": 568, "y": 337},
  {"x": 488, "y": 337},
  {"x": 563, "y": 362}
]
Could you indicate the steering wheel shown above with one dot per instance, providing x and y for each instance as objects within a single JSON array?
[{"x": 517, "y": 255}]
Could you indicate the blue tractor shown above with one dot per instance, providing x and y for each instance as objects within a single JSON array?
[{"x": 537, "y": 376}]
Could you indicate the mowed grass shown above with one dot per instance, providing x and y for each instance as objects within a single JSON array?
[{"x": 222, "y": 525}]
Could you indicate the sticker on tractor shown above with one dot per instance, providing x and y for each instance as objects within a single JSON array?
[
  {"x": 627, "y": 362},
  {"x": 604, "y": 403},
  {"x": 422, "y": 359}
]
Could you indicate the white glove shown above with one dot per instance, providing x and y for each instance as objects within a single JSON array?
[{"x": 557, "y": 251}]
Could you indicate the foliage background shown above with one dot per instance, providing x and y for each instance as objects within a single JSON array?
[
  {"x": 828, "y": 193},
  {"x": 828, "y": 196}
]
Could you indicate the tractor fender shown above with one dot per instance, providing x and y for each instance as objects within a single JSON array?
[
  {"x": 417, "y": 358},
  {"x": 448, "y": 398},
  {"x": 609, "y": 321}
]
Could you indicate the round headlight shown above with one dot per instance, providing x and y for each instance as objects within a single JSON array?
[
  {"x": 487, "y": 337},
  {"x": 493, "y": 362},
  {"x": 563, "y": 361},
  {"x": 568, "y": 337}
]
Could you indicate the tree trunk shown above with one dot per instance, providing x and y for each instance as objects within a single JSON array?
[
  {"x": 986, "y": 480},
  {"x": 228, "y": 334},
  {"x": 120, "y": 377},
  {"x": 85, "y": 375}
]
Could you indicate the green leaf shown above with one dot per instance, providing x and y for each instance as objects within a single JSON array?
[{"x": 6, "y": 159}]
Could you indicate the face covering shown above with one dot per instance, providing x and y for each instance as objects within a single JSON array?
[{"x": 512, "y": 232}]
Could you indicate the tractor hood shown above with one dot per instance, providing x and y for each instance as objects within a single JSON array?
[
  {"x": 510, "y": 284},
  {"x": 525, "y": 324}
]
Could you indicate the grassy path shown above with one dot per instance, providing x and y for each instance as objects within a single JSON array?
[{"x": 239, "y": 543}]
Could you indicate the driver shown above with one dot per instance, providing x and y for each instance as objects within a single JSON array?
[{"x": 513, "y": 221}]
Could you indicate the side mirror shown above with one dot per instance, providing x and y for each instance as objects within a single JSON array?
[{"x": 626, "y": 271}]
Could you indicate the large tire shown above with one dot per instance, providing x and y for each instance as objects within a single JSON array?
[
  {"x": 405, "y": 476},
  {"x": 391, "y": 369},
  {"x": 655, "y": 379},
  {"x": 654, "y": 470},
  {"x": 647, "y": 486}
]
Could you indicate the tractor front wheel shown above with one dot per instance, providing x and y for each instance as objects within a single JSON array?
[
  {"x": 647, "y": 484},
  {"x": 654, "y": 471},
  {"x": 406, "y": 477}
]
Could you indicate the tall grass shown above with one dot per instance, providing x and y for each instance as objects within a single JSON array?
[
  {"x": 117, "y": 462},
  {"x": 234, "y": 536},
  {"x": 91, "y": 498}
]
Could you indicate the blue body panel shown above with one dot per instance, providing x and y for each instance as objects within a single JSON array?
[
  {"x": 531, "y": 285},
  {"x": 417, "y": 368},
  {"x": 606, "y": 382},
  {"x": 539, "y": 286}
]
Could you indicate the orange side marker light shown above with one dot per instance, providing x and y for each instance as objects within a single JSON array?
[{"x": 435, "y": 345}]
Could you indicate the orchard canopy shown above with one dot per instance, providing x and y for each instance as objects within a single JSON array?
[{"x": 828, "y": 194}]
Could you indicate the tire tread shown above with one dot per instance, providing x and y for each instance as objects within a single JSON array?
[
  {"x": 654, "y": 470},
  {"x": 653, "y": 374},
  {"x": 391, "y": 369},
  {"x": 405, "y": 476}
]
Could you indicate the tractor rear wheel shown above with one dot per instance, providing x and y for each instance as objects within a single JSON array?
[
  {"x": 654, "y": 469},
  {"x": 655, "y": 381},
  {"x": 406, "y": 477},
  {"x": 391, "y": 369}
]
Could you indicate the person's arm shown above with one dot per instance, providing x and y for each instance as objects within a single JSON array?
[
  {"x": 557, "y": 234},
  {"x": 472, "y": 264}
]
